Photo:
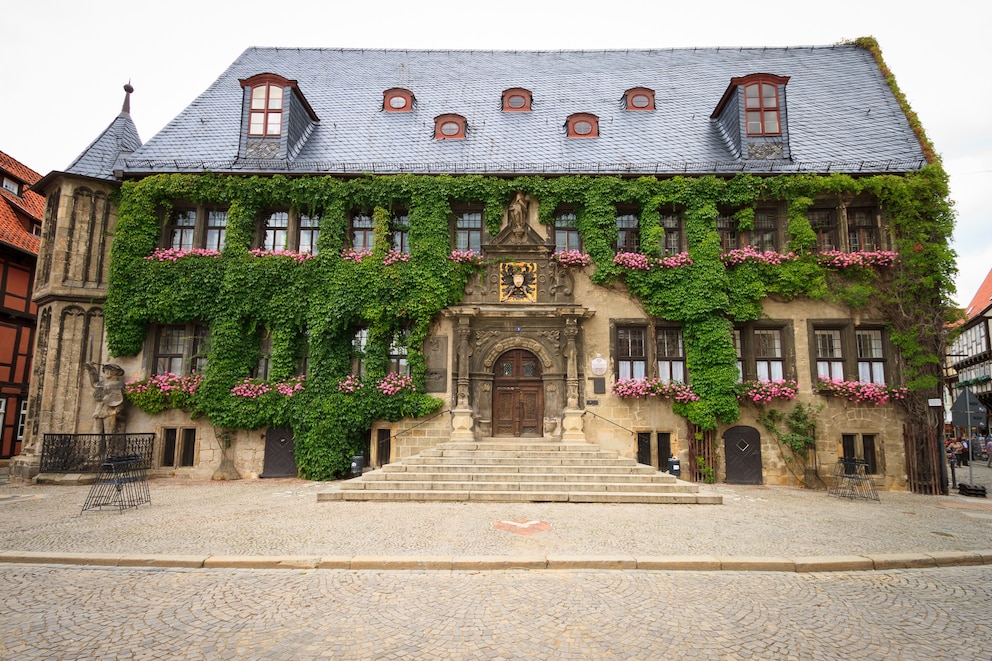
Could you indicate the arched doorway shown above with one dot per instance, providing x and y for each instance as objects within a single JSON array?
[{"x": 518, "y": 395}]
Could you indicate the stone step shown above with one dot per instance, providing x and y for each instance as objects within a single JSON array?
[
  {"x": 391, "y": 485},
  {"x": 541, "y": 469},
  {"x": 418, "y": 476},
  {"x": 667, "y": 498},
  {"x": 518, "y": 446},
  {"x": 521, "y": 454},
  {"x": 420, "y": 460}
]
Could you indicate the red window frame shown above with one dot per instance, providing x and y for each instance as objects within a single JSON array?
[
  {"x": 441, "y": 121},
  {"x": 573, "y": 125},
  {"x": 390, "y": 96},
  {"x": 266, "y": 120},
  {"x": 517, "y": 92},
  {"x": 634, "y": 92}
]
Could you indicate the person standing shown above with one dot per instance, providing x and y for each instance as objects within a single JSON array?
[{"x": 988, "y": 449}]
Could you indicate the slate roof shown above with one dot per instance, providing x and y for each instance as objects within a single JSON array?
[
  {"x": 841, "y": 114},
  {"x": 15, "y": 210},
  {"x": 100, "y": 159}
]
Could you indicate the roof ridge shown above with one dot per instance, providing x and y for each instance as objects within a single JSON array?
[{"x": 529, "y": 51}]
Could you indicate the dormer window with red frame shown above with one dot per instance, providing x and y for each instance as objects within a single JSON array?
[
  {"x": 397, "y": 99},
  {"x": 582, "y": 125},
  {"x": 762, "y": 105},
  {"x": 449, "y": 127},
  {"x": 265, "y": 115},
  {"x": 517, "y": 99},
  {"x": 639, "y": 98}
]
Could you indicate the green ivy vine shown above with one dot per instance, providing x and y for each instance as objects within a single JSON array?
[{"x": 316, "y": 305}]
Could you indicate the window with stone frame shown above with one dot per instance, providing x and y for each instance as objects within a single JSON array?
[
  {"x": 862, "y": 229},
  {"x": 829, "y": 353},
  {"x": 763, "y": 235},
  {"x": 670, "y": 354},
  {"x": 178, "y": 447},
  {"x": 180, "y": 229},
  {"x": 180, "y": 349},
  {"x": 264, "y": 365},
  {"x": 823, "y": 222},
  {"x": 309, "y": 233},
  {"x": 860, "y": 447},
  {"x": 566, "y": 231},
  {"x": 871, "y": 355},
  {"x": 761, "y": 352},
  {"x": 672, "y": 225},
  {"x": 726, "y": 227},
  {"x": 628, "y": 238},
  {"x": 398, "y": 353},
  {"x": 467, "y": 230},
  {"x": 359, "y": 344},
  {"x": 631, "y": 356},
  {"x": 362, "y": 232},
  {"x": 283, "y": 230},
  {"x": 400, "y": 228},
  {"x": 216, "y": 229},
  {"x": 275, "y": 230}
]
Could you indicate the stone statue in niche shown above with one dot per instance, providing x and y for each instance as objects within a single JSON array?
[
  {"x": 108, "y": 391},
  {"x": 518, "y": 218}
]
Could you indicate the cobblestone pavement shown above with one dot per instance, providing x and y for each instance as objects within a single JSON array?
[
  {"x": 56, "y": 611},
  {"x": 283, "y": 517},
  {"x": 59, "y": 612}
]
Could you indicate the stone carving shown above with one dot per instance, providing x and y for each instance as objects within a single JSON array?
[
  {"x": 108, "y": 391},
  {"x": 518, "y": 218}
]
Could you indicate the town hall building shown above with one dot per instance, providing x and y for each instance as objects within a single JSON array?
[{"x": 734, "y": 258}]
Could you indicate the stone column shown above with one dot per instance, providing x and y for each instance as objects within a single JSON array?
[
  {"x": 461, "y": 419},
  {"x": 572, "y": 415}
]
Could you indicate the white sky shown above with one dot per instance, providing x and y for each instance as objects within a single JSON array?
[{"x": 67, "y": 61}]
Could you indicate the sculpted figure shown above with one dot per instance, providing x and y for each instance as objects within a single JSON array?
[{"x": 108, "y": 391}]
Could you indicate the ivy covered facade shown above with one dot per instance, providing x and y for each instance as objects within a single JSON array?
[{"x": 334, "y": 253}]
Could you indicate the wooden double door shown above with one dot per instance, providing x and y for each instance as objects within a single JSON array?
[{"x": 518, "y": 395}]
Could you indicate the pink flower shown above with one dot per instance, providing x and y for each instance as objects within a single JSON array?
[
  {"x": 572, "y": 258},
  {"x": 465, "y": 257}
]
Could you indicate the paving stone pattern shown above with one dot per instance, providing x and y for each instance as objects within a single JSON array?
[
  {"x": 71, "y": 613},
  {"x": 60, "y": 611}
]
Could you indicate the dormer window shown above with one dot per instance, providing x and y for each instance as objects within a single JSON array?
[
  {"x": 639, "y": 98},
  {"x": 517, "y": 99},
  {"x": 397, "y": 99},
  {"x": 582, "y": 125},
  {"x": 266, "y": 110},
  {"x": 449, "y": 127},
  {"x": 762, "y": 107},
  {"x": 12, "y": 185}
]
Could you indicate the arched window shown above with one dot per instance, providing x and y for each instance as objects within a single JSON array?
[
  {"x": 397, "y": 99},
  {"x": 639, "y": 98},
  {"x": 582, "y": 125},
  {"x": 517, "y": 99},
  {"x": 266, "y": 104},
  {"x": 449, "y": 127}
]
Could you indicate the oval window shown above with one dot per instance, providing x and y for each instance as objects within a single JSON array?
[
  {"x": 516, "y": 101},
  {"x": 640, "y": 101},
  {"x": 397, "y": 102},
  {"x": 582, "y": 127},
  {"x": 450, "y": 128}
]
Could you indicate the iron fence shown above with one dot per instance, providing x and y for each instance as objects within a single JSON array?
[{"x": 85, "y": 453}]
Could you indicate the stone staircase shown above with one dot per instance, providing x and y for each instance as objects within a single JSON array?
[{"x": 519, "y": 470}]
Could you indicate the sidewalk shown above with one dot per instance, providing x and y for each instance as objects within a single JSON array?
[{"x": 279, "y": 523}]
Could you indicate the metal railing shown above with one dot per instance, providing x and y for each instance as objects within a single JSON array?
[
  {"x": 594, "y": 414},
  {"x": 85, "y": 453}
]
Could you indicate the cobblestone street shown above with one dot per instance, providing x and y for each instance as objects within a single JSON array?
[
  {"x": 55, "y": 610},
  {"x": 71, "y": 613}
]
